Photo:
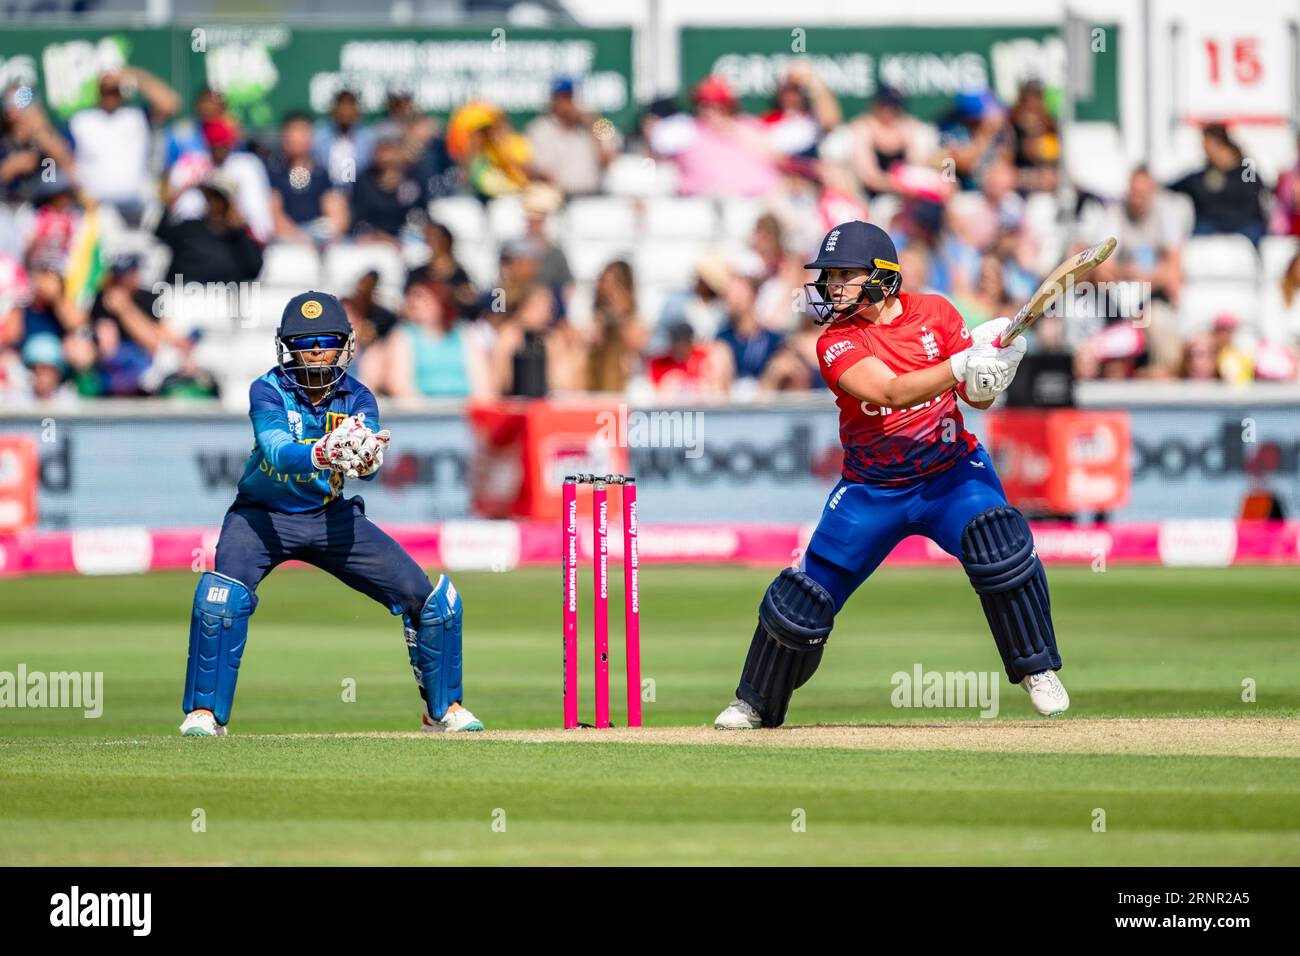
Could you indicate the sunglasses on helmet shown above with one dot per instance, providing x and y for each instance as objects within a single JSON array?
[{"x": 316, "y": 343}]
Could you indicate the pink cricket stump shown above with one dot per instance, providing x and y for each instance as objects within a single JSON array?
[
  {"x": 600, "y": 615},
  {"x": 632, "y": 602},
  {"x": 569, "y": 563}
]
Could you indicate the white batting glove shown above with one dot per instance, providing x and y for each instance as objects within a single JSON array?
[
  {"x": 987, "y": 376},
  {"x": 960, "y": 360},
  {"x": 337, "y": 451},
  {"x": 986, "y": 333}
]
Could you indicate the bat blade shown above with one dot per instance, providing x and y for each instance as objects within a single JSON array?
[{"x": 1068, "y": 272}]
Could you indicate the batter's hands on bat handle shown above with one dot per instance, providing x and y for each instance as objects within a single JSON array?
[
  {"x": 988, "y": 376},
  {"x": 987, "y": 333}
]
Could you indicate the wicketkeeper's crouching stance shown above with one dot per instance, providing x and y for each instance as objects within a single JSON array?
[
  {"x": 314, "y": 426},
  {"x": 897, "y": 363}
]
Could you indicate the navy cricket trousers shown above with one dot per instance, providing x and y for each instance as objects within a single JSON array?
[{"x": 337, "y": 538}]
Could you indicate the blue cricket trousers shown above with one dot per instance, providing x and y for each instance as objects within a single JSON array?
[{"x": 862, "y": 523}]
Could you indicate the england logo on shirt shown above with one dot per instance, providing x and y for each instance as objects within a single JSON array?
[{"x": 928, "y": 343}]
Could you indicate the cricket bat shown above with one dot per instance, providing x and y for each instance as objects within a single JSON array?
[{"x": 1069, "y": 271}]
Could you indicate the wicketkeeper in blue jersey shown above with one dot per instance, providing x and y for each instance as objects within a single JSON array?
[{"x": 315, "y": 426}]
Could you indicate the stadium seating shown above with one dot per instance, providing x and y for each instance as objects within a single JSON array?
[
  {"x": 345, "y": 263},
  {"x": 1276, "y": 253},
  {"x": 1220, "y": 257}
]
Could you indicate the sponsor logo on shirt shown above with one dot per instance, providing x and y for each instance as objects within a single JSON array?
[
  {"x": 295, "y": 423},
  {"x": 835, "y": 350}
]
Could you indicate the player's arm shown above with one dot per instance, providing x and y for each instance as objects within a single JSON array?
[
  {"x": 871, "y": 380},
  {"x": 285, "y": 453}
]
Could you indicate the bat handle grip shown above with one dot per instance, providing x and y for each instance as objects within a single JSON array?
[{"x": 997, "y": 343}]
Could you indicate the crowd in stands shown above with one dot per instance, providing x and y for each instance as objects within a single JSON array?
[{"x": 477, "y": 259}]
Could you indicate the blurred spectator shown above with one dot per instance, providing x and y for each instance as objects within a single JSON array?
[
  {"x": 812, "y": 197},
  {"x": 975, "y": 135},
  {"x": 1200, "y": 362},
  {"x": 567, "y": 151},
  {"x": 1235, "y": 365},
  {"x": 305, "y": 205},
  {"x": 189, "y": 380},
  {"x": 43, "y": 357},
  {"x": 805, "y": 111},
  {"x": 988, "y": 299},
  {"x": 620, "y": 335},
  {"x": 914, "y": 261},
  {"x": 718, "y": 151},
  {"x": 1285, "y": 217},
  {"x": 49, "y": 310},
  {"x": 369, "y": 318},
  {"x": 884, "y": 137},
  {"x": 1225, "y": 193},
  {"x": 55, "y": 225},
  {"x": 745, "y": 345},
  {"x": 1038, "y": 144},
  {"x": 220, "y": 137},
  {"x": 701, "y": 305},
  {"x": 536, "y": 354},
  {"x": 245, "y": 170},
  {"x": 540, "y": 203},
  {"x": 780, "y": 272},
  {"x": 425, "y": 147},
  {"x": 130, "y": 308},
  {"x": 1150, "y": 241},
  {"x": 216, "y": 248},
  {"x": 443, "y": 267},
  {"x": 794, "y": 366},
  {"x": 27, "y": 140},
  {"x": 386, "y": 197},
  {"x": 494, "y": 157},
  {"x": 342, "y": 143},
  {"x": 185, "y": 136},
  {"x": 686, "y": 369},
  {"x": 1118, "y": 351},
  {"x": 519, "y": 267},
  {"x": 432, "y": 352},
  {"x": 111, "y": 141}
]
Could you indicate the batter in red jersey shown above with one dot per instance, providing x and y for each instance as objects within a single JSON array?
[{"x": 897, "y": 364}]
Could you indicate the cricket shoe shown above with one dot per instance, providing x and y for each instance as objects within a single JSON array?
[
  {"x": 739, "y": 715},
  {"x": 1046, "y": 693},
  {"x": 459, "y": 720},
  {"x": 201, "y": 723}
]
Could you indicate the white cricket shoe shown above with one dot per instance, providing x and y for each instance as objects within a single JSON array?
[
  {"x": 201, "y": 723},
  {"x": 459, "y": 720},
  {"x": 1046, "y": 693},
  {"x": 739, "y": 715}
]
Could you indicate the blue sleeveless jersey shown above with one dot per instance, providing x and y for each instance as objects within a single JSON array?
[{"x": 280, "y": 475}]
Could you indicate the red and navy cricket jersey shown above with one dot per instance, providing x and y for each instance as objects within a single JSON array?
[{"x": 896, "y": 446}]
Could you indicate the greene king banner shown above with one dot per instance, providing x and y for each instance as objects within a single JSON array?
[
  {"x": 267, "y": 71},
  {"x": 929, "y": 65}
]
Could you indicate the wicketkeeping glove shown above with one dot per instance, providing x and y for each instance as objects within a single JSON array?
[
  {"x": 371, "y": 454},
  {"x": 337, "y": 450}
]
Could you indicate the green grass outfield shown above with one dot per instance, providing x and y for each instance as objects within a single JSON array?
[{"x": 1138, "y": 643}]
